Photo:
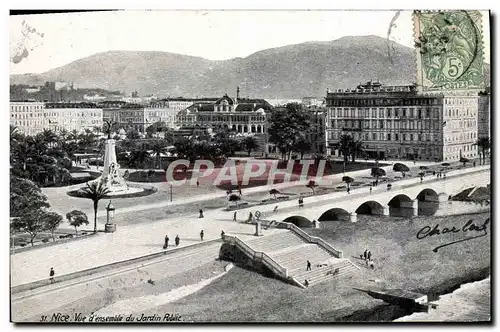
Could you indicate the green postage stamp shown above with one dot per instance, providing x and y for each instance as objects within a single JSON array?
[{"x": 449, "y": 50}]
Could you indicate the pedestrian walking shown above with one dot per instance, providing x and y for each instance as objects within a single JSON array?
[
  {"x": 165, "y": 246},
  {"x": 444, "y": 175},
  {"x": 275, "y": 209},
  {"x": 301, "y": 203},
  {"x": 250, "y": 217},
  {"x": 371, "y": 189},
  {"x": 306, "y": 283},
  {"x": 51, "y": 274},
  {"x": 239, "y": 191},
  {"x": 177, "y": 240},
  {"x": 348, "y": 190},
  {"x": 433, "y": 172},
  {"x": 222, "y": 234},
  {"x": 201, "y": 234},
  {"x": 365, "y": 254},
  {"x": 308, "y": 268},
  {"x": 234, "y": 216},
  {"x": 197, "y": 183},
  {"x": 201, "y": 213},
  {"x": 369, "y": 255}
]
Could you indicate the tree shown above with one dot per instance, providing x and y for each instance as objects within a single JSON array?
[
  {"x": 158, "y": 148},
  {"x": 421, "y": 174},
  {"x": 287, "y": 126},
  {"x": 25, "y": 197},
  {"x": 154, "y": 128},
  {"x": 356, "y": 149},
  {"x": 139, "y": 157},
  {"x": 302, "y": 146},
  {"x": 274, "y": 192},
  {"x": 311, "y": 185},
  {"x": 401, "y": 168},
  {"x": 95, "y": 192},
  {"x": 234, "y": 198},
  {"x": 49, "y": 136},
  {"x": 344, "y": 146},
  {"x": 51, "y": 220},
  {"x": 133, "y": 134},
  {"x": 31, "y": 223},
  {"x": 348, "y": 180},
  {"x": 250, "y": 144},
  {"x": 464, "y": 160},
  {"x": 76, "y": 219},
  {"x": 484, "y": 144},
  {"x": 377, "y": 172}
]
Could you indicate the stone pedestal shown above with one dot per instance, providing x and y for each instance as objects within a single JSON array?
[
  {"x": 258, "y": 229},
  {"x": 110, "y": 228},
  {"x": 353, "y": 217},
  {"x": 316, "y": 224}
]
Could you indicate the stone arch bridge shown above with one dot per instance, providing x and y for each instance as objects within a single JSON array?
[{"x": 405, "y": 198}]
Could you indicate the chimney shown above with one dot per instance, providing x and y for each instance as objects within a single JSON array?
[{"x": 237, "y": 93}]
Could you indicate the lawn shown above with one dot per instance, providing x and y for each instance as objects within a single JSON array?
[{"x": 402, "y": 261}]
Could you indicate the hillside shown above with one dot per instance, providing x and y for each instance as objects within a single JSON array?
[{"x": 290, "y": 71}]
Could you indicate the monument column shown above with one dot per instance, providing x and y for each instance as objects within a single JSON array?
[
  {"x": 415, "y": 207},
  {"x": 353, "y": 217}
]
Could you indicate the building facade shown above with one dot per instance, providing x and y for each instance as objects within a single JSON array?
[
  {"x": 159, "y": 111},
  {"x": 483, "y": 124},
  {"x": 73, "y": 116},
  {"x": 239, "y": 115},
  {"x": 398, "y": 122},
  {"x": 28, "y": 116},
  {"x": 125, "y": 116}
]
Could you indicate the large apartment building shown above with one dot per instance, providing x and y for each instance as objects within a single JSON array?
[
  {"x": 73, "y": 116},
  {"x": 398, "y": 122},
  {"x": 28, "y": 116}
]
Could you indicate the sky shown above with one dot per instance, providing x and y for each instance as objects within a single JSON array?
[{"x": 42, "y": 42}]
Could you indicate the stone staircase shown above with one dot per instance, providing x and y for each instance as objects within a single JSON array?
[{"x": 292, "y": 252}]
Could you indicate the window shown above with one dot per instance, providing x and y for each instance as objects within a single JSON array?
[
  {"x": 388, "y": 113},
  {"x": 396, "y": 111},
  {"x": 404, "y": 111},
  {"x": 374, "y": 136},
  {"x": 388, "y": 136},
  {"x": 381, "y": 124}
]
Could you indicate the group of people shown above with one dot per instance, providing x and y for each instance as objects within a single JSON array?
[
  {"x": 177, "y": 241},
  {"x": 367, "y": 256}
]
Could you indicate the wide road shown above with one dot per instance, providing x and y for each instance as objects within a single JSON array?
[{"x": 45, "y": 299}]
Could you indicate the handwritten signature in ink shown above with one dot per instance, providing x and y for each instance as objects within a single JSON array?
[{"x": 468, "y": 227}]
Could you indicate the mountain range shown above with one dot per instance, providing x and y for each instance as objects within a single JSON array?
[{"x": 292, "y": 71}]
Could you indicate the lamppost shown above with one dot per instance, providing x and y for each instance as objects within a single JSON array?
[
  {"x": 171, "y": 192},
  {"x": 110, "y": 214}
]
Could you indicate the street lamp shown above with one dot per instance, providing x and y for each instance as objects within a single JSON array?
[
  {"x": 110, "y": 214},
  {"x": 170, "y": 192}
]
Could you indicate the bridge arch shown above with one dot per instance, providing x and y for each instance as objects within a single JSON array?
[
  {"x": 401, "y": 206},
  {"x": 428, "y": 195},
  {"x": 334, "y": 215},
  {"x": 298, "y": 221},
  {"x": 428, "y": 202},
  {"x": 371, "y": 207}
]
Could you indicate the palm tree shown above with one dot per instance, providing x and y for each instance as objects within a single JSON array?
[
  {"x": 158, "y": 148},
  {"x": 250, "y": 143},
  {"x": 484, "y": 144},
  {"x": 95, "y": 191},
  {"x": 49, "y": 136},
  {"x": 356, "y": 149},
  {"x": 377, "y": 172},
  {"x": 401, "y": 168}
]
